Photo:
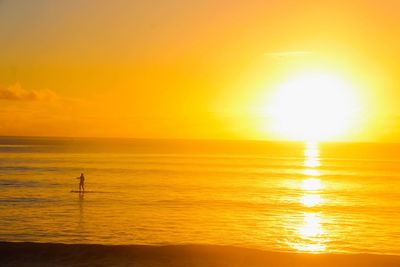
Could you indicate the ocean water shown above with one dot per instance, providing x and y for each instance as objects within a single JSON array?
[{"x": 342, "y": 198}]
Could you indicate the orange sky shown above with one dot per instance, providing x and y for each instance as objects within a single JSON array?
[{"x": 187, "y": 69}]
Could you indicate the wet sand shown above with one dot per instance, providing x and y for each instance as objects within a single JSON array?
[{"x": 43, "y": 254}]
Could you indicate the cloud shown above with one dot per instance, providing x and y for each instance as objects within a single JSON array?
[
  {"x": 16, "y": 92},
  {"x": 289, "y": 54}
]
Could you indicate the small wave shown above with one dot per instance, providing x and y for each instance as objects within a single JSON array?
[
  {"x": 18, "y": 200},
  {"x": 13, "y": 146},
  {"x": 19, "y": 183}
]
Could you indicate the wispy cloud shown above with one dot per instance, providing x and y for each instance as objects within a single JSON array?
[
  {"x": 289, "y": 54},
  {"x": 16, "y": 92}
]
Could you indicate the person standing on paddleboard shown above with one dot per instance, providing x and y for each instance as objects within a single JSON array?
[{"x": 81, "y": 182}]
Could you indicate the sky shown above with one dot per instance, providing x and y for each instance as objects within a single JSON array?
[{"x": 188, "y": 69}]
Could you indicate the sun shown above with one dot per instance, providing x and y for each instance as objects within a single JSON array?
[{"x": 313, "y": 106}]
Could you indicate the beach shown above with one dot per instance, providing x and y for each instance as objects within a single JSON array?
[{"x": 48, "y": 254}]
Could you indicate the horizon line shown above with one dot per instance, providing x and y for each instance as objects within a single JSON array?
[{"x": 194, "y": 139}]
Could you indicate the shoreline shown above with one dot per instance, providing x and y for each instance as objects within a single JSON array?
[{"x": 57, "y": 254}]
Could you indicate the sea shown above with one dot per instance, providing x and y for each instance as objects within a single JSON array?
[{"x": 275, "y": 196}]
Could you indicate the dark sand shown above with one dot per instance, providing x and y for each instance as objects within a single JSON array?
[{"x": 40, "y": 254}]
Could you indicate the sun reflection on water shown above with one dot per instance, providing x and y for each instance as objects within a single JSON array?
[
  {"x": 310, "y": 236},
  {"x": 311, "y": 150},
  {"x": 311, "y": 184},
  {"x": 311, "y": 172},
  {"x": 312, "y": 162},
  {"x": 309, "y": 247},
  {"x": 311, "y": 200},
  {"x": 311, "y": 233},
  {"x": 312, "y": 225}
]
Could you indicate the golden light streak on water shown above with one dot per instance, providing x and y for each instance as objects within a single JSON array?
[
  {"x": 311, "y": 150},
  {"x": 312, "y": 225},
  {"x": 311, "y": 172},
  {"x": 311, "y": 200},
  {"x": 318, "y": 247},
  {"x": 311, "y": 236},
  {"x": 311, "y": 184},
  {"x": 312, "y": 162}
]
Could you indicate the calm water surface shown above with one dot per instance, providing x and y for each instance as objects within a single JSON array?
[{"x": 282, "y": 197}]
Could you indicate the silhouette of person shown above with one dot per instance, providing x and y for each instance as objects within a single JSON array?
[{"x": 81, "y": 182}]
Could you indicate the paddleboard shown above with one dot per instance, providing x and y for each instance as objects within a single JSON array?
[
  {"x": 76, "y": 191},
  {"x": 82, "y": 192}
]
